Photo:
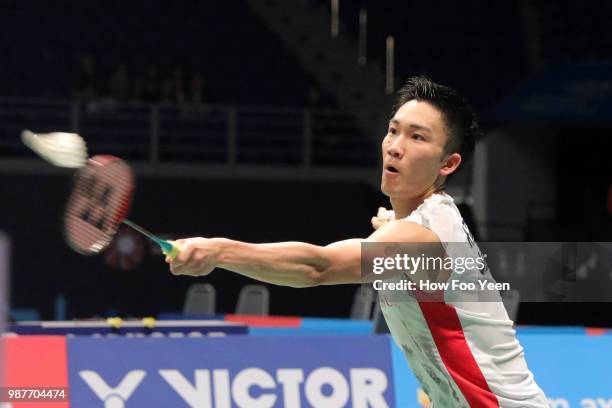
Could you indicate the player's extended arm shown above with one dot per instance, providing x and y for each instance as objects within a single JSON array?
[{"x": 294, "y": 264}]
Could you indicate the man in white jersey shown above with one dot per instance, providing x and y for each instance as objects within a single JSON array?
[{"x": 464, "y": 353}]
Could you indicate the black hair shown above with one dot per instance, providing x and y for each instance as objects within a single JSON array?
[{"x": 459, "y": 117}]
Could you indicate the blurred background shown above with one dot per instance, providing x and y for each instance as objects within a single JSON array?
[{"x": 261, "y": 120}]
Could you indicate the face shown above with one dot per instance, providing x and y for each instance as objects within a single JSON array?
[{"x": 413, "y": 151}]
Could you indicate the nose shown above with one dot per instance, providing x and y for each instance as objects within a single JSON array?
[{"x": 394, "y": 150}]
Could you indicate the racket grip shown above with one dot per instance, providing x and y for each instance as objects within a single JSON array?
[{"x": 170, "y": 249}]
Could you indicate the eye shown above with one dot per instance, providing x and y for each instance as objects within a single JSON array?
[
  {"x": 416, "y": 136},
  {"x": 392, "y": 130}
]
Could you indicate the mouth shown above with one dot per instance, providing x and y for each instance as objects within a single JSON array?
[{"x": 391, "y": 169}]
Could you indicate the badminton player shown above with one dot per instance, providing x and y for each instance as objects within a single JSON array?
[{"x": 464, "y": 354}]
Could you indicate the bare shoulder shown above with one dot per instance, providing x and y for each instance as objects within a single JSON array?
[{"x": 403, "y": 231}]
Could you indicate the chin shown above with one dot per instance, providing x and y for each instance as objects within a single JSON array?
[
  {"x": 384, "y": 189},
  {"x": 387, "y": 190}
]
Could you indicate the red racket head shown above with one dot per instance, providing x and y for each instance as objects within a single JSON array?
[{"x": 99, "y": 201}]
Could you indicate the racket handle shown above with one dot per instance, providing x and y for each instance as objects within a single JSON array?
[{"x": 170, "y": 248}]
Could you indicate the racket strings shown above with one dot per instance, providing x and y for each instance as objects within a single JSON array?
[
  {"x": 98, "y": 196},
  {"x": 99, "y": 201}
]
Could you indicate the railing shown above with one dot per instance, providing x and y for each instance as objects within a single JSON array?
[{"x": 230, "y": 136}]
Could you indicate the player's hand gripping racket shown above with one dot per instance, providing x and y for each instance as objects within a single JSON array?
[{"x": 98, "y": 204}]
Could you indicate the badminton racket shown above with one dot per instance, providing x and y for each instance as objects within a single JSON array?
[{"x": 99, "y": 202}]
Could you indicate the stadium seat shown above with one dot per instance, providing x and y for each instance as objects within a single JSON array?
[
  {"x": 200, "y": 299},
  {"x": 380, "y": 324},
  {"x": 253, "y": 300},
  {"x": 362, "y": 303}
]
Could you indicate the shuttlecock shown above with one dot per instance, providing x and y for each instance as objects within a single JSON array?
[{"x": 58, "y": 148}]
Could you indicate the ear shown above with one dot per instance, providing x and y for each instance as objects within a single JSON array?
[{"x": 450, "y": 164}]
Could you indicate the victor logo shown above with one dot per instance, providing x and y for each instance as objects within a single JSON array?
[
  {"x": 324, "y": 387},
  {"x": 113, "y": 397},
  {"x": 584, "y": 403}
]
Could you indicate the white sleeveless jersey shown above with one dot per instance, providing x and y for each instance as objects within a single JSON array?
[{"x": 464, "y": 354}]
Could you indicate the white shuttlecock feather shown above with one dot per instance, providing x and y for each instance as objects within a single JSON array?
[{"x": 58, "y": 148}]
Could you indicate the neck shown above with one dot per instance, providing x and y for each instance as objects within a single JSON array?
[{"x": 403, "y": 206}]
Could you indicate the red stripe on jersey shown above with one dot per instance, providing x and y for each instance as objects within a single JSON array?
[{"x": 446, "y": 330}]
